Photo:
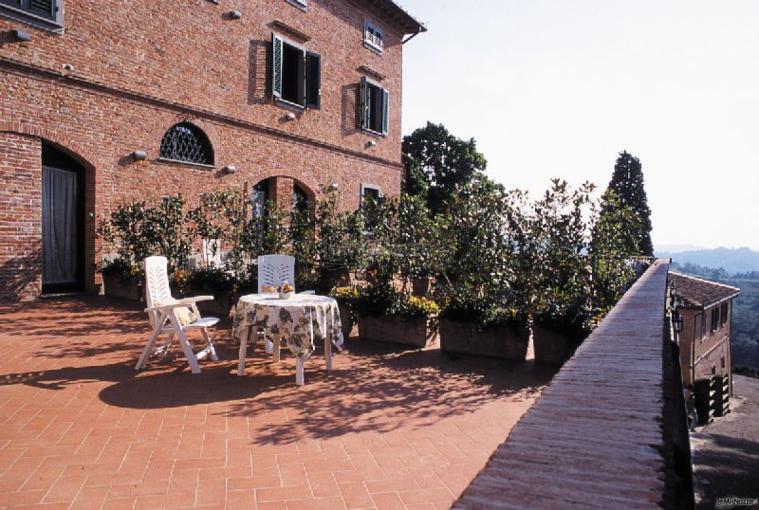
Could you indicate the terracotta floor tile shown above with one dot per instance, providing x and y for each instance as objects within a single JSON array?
[{"x": 79, "y": 428}]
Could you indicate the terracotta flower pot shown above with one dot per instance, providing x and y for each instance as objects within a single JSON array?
[
  {"x": 417, "y": 331},
  {"x": 501, "y": 341}
]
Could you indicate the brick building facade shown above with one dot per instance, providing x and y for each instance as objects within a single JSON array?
[
  {"x": 706, "y": 309},
  {"x": 288, "y": 95}
]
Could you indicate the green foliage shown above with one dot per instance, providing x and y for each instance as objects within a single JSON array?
[
  {"x": 437, "y": 162},
  {"x": 121, "y": 269},
  {"x": 627, "y": 183},
  {"x": 411, "y": 307},
  {"x": 138, "y": 231},
  {"x": 213, "y": 280}
]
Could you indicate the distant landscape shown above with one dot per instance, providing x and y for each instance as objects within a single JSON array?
[{"x": 739, "y": 268}]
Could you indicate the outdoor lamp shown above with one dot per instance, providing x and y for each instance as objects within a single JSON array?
[
  {"x": 677, "y": 322},
  {"x": 21, "y": 35},
  {"x": 230, "y": 169},
  {"x": 139, "y": 155},
  {"x": 235, "y": 14}
]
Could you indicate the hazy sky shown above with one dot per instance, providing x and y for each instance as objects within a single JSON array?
[{"x": 558, "y": 88}]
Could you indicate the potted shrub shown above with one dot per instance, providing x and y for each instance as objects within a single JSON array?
[
  {"x": 561, "y": 274},
  {"x": 123, "y": 280},
  {"x": 400, "y": 318}
]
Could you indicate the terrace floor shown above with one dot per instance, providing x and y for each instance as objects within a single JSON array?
[{"x": 388, "y": 428}]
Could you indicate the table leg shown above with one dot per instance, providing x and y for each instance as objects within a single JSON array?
[
  {"x": 300, "y": 378},
  {"x": 243, "y": 352},
  {"x": 276, "y": 347},
  {"x": 328, "y": 351}
]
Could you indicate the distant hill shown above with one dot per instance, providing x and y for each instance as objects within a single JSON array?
[{"x": 732, "y": 260}]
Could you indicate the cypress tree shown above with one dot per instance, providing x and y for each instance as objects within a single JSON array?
[{"x": 627, "y": 184}]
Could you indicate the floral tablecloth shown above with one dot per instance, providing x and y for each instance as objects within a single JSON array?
[{"x": 299, "y": 320}]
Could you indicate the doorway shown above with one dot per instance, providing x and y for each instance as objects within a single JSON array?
[{"x": 63, "y": 199}]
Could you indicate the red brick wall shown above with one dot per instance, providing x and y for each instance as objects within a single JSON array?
[
  {"x": 140, "y": 67},
  {"x": 706, "y": 352},
  {"x": 20, "y": 217},
  {"x": 190, "y": 53}
]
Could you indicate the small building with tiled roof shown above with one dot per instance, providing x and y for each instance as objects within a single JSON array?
[{"x": 706, "y": 310}]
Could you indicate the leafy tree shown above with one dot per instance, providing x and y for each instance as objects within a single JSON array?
[
  {"x": 627, "y": 183},
  {"x": 436, "y": 162},
  {"x": 561, "y": 275}
]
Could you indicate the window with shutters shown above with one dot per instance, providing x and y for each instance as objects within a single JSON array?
[
  {"x": 186, "y": 143},
  {"x": 49, "y": 11},
  {"x": 370, "y": 192},
  {"x": 375, "y": 107},
  {"x": 295, "y": 74},
  {"x": 373, "y": 36},
  {"x": 724, "y": 313},
  {"x": 715, "y": 319}
]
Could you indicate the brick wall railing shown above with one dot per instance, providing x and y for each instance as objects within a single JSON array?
[{"x": 594, "y": 438}]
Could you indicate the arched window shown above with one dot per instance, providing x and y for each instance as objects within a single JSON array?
[
  {"x": 301, "y": 202},
  {"x": 187, "y": 143}
]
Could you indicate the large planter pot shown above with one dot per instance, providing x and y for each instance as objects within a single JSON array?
[
  {"x": 346, "y": 320},
  {"x": 123, "y": 289},
  {"x": 502, "y": 341},
  {"x": 418, "y": 332},
  {"x": 553, "y": 347}
]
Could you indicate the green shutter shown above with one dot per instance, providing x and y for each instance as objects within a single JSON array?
[
  {"x": 43, "y": 7},
  {"x": 276, "y": 66},
  {"x": 385, "y": 111},
  {"x": 364, "y": 102},
  {"x": 313, "y": 80}
]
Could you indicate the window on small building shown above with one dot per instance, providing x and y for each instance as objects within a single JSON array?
[
  {"x": 715, "y": 319},
  {"x": 296, "y": 74},
  {"x": 698, "y": 327},
  {"x": 375, "y": 107},
  {"x": 44, "y": 8},
  {"x": 187, "y": 143},
  {"x": 724, "y": 313},
  {"x": 373, "y": 36}
]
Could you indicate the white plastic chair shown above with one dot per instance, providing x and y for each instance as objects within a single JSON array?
[
  {"x": 273, "y": 270},
  {"x": 163, "y": 316}
]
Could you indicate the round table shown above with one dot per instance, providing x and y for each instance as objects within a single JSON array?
[{"x": 299, "y": 320}]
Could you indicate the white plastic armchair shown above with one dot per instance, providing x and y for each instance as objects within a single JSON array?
[
  {"x": 273, "y": 270},
  {"x": 162, "y": 312}
]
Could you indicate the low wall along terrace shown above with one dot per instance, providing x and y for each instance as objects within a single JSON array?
[{"x": 595, "y": 437}]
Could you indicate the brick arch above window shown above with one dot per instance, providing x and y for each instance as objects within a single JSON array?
[{"x": 187, "y": 143}]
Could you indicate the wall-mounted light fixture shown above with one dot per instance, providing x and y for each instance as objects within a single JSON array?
[
  {"x": 68, "y": 67},
  {"x": 290, "y": 116},
  {"x": 371, "y": 143},
  {"x": 229, "y": 169},
  {"x": 21, "y": 35},
  {"x": 234, "y": 14},
  {"x": 333, "y": 185},
  {"x": 139, "y": 155},
  {"x": 677, "y": 322}
]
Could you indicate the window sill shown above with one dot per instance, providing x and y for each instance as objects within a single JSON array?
[
  {"x": 289, "y": 105},
  {"x": 186, "y": 163},
  {"x": 373, "y": 48},
  {"x": 299, "y": 5},
  {"x": 10, "y": 12},
  {"x": 374, "y": 133}
]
